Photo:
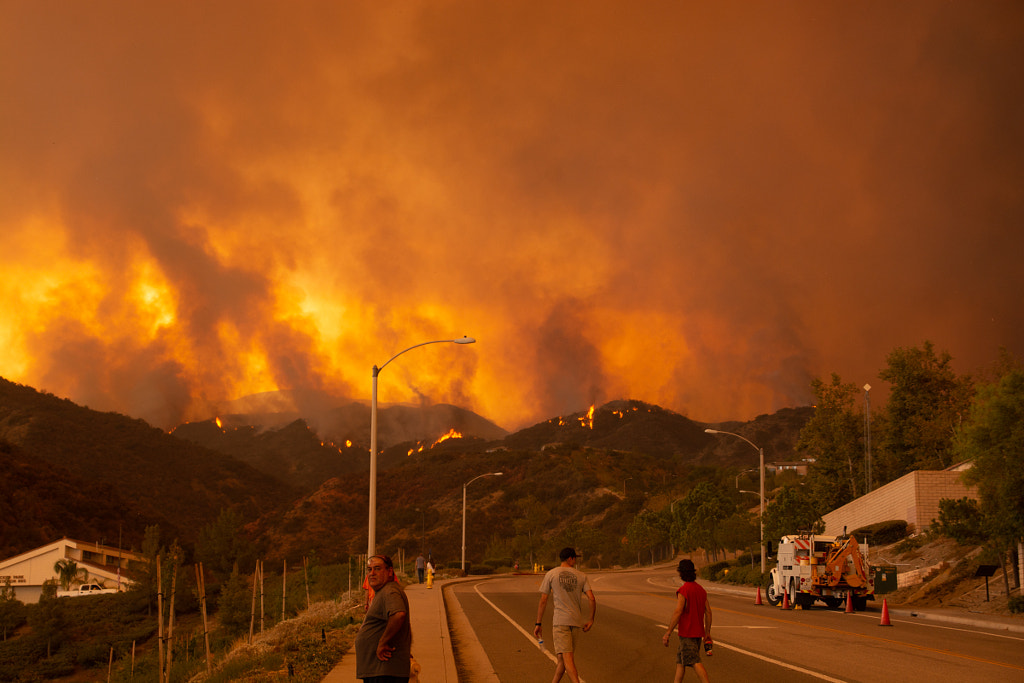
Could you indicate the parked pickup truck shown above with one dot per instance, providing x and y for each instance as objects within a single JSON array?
[{"x": 85, "y": 589}]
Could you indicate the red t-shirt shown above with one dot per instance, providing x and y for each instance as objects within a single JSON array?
[{"x": 691, "y": 623}]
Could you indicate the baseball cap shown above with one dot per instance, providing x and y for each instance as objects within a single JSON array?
[{"x": 566, "y": 554}]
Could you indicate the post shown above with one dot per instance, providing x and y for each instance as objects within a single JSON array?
[
  {"x": 760, "y": 466},
  {"x": 160, "y": 619},
  {"x": 371, "y": 540},
  {"x": 867, "y": 439},
  {"x": 464, "y": 526}
]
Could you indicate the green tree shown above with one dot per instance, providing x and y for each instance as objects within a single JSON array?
[
  {"x": 648, "y": 530},
  {"x": 12, "y": 611},
  {"x": 791, "y": 511},
  {"x": 994, "y": 440},
  {"x": 68, "y": 572},
  {"x": 739, "y": 531},
  {"x": 48, "y": 619},
  {"x": 234, "y": 606},
  {"x": 927, "y": 406},
  {"x": 833, "y": 438},
  {"x": 529, "y": 526},
  {"x": 222, "y": 543},
  {"x": 961, "y": 520},
  {"x": 145, "y": 575},
  {"x": 695, "y": 518}
]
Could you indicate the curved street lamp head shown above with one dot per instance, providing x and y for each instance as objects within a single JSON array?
[
  {"x": 372, "y": 526},
  {"x": 711, "y": 431}
]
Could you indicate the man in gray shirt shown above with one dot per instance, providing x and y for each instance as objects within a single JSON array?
[
  {"x": 568, "y": 585},
  {"x": 384, "y": 641}
]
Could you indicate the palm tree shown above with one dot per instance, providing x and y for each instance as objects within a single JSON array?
[{"x": 68, "y": 572}]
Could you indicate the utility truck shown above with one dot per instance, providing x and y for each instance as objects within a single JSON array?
[{"x": 817, "y": 567}]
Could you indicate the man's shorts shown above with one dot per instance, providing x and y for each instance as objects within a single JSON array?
[
  {"x": 689, "y": 651},
  {"x": 564, "y": 638}
]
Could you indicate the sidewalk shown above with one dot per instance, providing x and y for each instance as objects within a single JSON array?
[{"x": 431, "y": 643}]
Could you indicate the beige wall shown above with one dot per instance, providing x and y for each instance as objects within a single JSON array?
[{"x": 913, "y": 497}]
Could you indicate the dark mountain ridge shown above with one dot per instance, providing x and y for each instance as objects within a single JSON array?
[
  {"x": 303, "y": 491},
  {"x": 176, "y": 483}
]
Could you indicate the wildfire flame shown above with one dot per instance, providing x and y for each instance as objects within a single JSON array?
[
  {"x": 588, "y": 419},
  {"x": 452, "y": 434},
  {"x": 219, "y": 423}
]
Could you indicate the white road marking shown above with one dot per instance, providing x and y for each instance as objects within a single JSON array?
[{"x": 529, "y": 636}]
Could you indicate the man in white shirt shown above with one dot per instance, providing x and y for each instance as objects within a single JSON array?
[{"x": 568, "y": 585}]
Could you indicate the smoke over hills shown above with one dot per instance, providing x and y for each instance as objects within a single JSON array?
[{"x": 701, "y": 206}]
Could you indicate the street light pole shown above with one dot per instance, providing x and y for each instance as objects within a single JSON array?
[
  {"x": 371, "y": 541},
  {"x": 760, "y": 467},
  {"x": 489, "y": 474}
]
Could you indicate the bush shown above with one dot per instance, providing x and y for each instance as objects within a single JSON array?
[
  {"x": 1016, "y": 604},
  {"x": 480, "y": 571},
  {"x": 712, "y": 571},
  {"x": 912, "y": 543},
  {"x": 961, "y": 520},
  {"x": 882, "y": 533},
  {"x": 495, "y": 563}
]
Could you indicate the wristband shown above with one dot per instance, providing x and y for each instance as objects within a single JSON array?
[{"x": 537, "y": 624}]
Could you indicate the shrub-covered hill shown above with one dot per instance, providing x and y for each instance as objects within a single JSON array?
[{"x": 160, "y": 478}]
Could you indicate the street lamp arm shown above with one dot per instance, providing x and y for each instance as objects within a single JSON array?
[
  {"x": 718, "y": 431},
  {"x": 488, "y": 474},
  {"x": 460, "y": 340}
]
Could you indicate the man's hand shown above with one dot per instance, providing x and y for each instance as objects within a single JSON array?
[
  {"x": 538, "y": 631},
  {"x": 665, "y": 638},
  {"x": 587, "y": 626},
  {"x": 384, "y": 651}
]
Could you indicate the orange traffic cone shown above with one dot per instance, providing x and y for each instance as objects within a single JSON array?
[
  {"x": 849, "y": 604},
  {"x": 785, "y": 600},
  {"x": 757, "y": 601},
  {"x": 885, "y": 614}
]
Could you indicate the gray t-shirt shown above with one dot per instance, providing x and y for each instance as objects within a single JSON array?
[
  {"x": 388, "y": 600},
  {"x": 568, "y": 587}
]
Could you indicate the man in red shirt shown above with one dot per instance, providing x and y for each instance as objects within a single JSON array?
[{"x": 693, "y": 615}]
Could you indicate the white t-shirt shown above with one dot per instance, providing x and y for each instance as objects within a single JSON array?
[{"x": 569, "y": 588}]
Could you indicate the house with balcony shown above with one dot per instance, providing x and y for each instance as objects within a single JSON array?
[{"x": 105, "y": 565}]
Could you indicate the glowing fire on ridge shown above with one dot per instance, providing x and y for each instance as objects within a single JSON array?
[
  {"x": 219, "y": 423},
  {"x": 588, "y": 419},
  {"x": 452, "y": 434}
]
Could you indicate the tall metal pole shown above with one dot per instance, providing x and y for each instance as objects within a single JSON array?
[
  {"x": 371, "y": 540},
  {"x": 489, "y": 474},
  {"x": 760, "y": 467},
  {"x": 867, "y": 439},
  {"x": 371, "y": 544}
]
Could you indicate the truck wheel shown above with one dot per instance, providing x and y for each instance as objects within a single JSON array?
[
  {"x": 804, "y": 600},
  {"x": 771, "y": 593},
  {"x": 832, "y": 602}
]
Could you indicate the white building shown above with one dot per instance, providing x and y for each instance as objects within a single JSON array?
[{"x": 104, "y": 565}]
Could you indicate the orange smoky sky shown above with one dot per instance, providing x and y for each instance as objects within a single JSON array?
[{"x": 699, "y": 205}]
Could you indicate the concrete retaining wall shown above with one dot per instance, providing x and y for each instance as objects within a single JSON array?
[{"x": 913, "y": 497}]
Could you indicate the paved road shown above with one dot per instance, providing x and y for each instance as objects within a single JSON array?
[{"x": 751, "y": 642}]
